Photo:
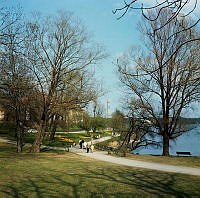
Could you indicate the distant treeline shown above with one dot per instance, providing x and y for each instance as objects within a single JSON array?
[{"x": 182, "y": 120}]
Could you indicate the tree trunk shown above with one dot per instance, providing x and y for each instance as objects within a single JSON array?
[
  {"x": 19, "y": 143},
  {"x": 20, "y": 139},
  {"x": 54, "y": 126},
  {"x": 165, "y": 144},
  {"x": 38, "y": 140},
  {"x": 53, "y": 132},
  {"x": 19, "y": 134}
]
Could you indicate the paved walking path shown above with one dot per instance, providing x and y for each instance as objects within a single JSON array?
[{"x": 102, "y": 155}]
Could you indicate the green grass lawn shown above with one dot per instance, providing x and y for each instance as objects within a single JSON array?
[{"x": 71, "y": 175}]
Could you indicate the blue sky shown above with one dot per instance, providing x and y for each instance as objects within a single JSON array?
[{"x": 115, "y": 35}]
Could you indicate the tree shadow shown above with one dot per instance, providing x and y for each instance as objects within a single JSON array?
[
  {"x": 92, "y": 180},
  {"x": 145, "y": 182},
  {"x": 96, "y": 182}
]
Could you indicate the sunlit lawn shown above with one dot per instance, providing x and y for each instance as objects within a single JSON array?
[{"x": 70, "y": 175}]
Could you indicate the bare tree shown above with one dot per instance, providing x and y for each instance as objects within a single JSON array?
[
  {"x": 176, "y": 7},
  {"x": 179, "y": 9},
  {"x": 135, "y": 131},
  {"x": 60, "y": 49},
  {"x": 9, "y": 17},
  {"x": 17, "y": 97},
  {"x": 80, "y": 89},
  {"x": 163, "y": 83},
  {"x": 16, "y": 87},
  {"x": 140, "y": 132}
]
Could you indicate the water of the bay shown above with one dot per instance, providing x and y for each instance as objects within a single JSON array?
[{"x": 189, "y": 141}]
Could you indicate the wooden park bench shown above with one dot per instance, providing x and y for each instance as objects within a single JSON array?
[{"x": 183, "y": 153}]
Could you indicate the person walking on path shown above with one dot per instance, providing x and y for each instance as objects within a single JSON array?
[
  {"x": 80, "y": 143},
  {"x": 87, "y": 148},
  {"x": 85, "y": 145},
  {"x": 92, "y": 148}
]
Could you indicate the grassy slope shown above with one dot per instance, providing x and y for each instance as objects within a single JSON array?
[{"x": 70, "y": 175}]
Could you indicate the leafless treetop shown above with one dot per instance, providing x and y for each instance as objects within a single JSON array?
[{"x": 176, "y": 6}]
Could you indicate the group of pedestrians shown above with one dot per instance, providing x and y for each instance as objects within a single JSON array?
[{"x": 86, "y": 145}]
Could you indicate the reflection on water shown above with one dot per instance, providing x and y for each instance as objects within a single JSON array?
[{"x": 187, "y": 142}]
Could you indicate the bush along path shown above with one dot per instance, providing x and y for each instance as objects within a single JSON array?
[{"x": 102, "y": 155}]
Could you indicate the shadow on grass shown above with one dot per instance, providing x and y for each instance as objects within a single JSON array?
[
  {"x": 145, "y": 182},
  {"x": 101, "y": 183},
  {"x": 56, "y": 177}
]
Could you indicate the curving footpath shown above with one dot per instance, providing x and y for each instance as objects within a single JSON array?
[{"x": 102, "y": 155}]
